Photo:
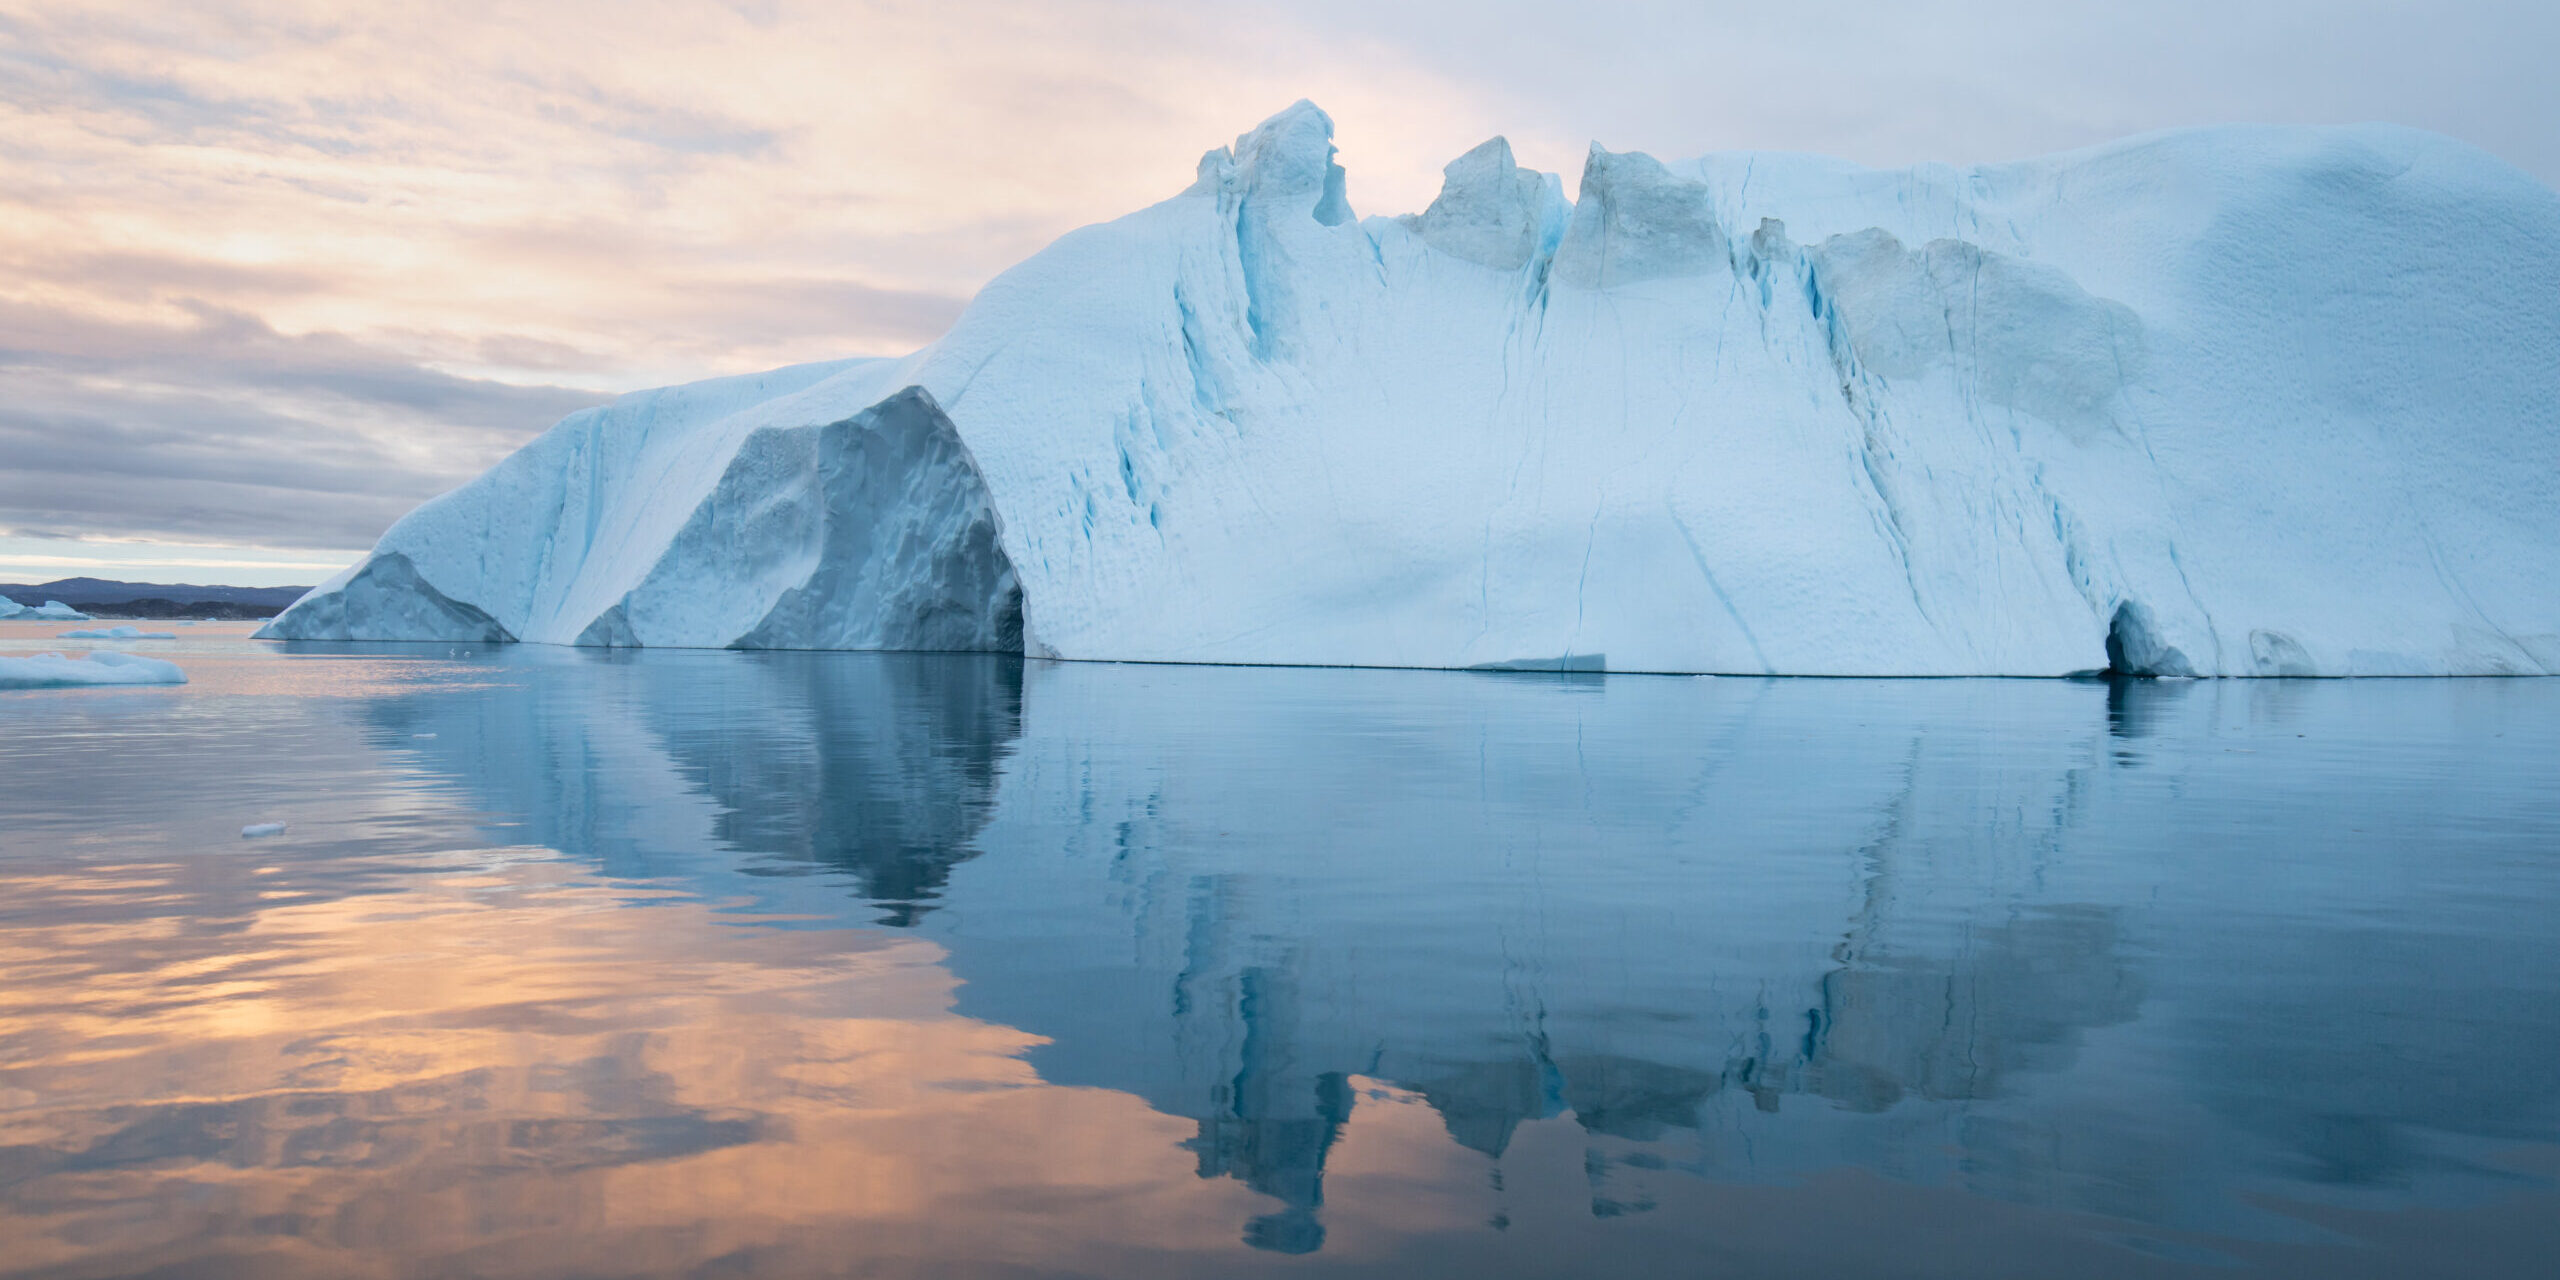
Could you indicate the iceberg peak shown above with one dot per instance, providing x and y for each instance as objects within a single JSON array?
[
  {"x": 1492, "y": 212},
  {"x": 1287, "y": 161},
  {"x": 1636, "y": 220}
]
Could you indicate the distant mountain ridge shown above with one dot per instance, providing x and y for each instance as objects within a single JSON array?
[{"x": 155, "y": 599}]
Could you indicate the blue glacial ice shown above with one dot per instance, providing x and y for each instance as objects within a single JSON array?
[{"x": 2230, "y": 401}]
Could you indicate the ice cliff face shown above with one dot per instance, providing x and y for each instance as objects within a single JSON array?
[
  {"x": 2230, "y": 401},
  {"x": 751, "y": 513}
]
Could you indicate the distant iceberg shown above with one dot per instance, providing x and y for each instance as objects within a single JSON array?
[
  {"x": 2232, "y": 401},
  {"x": 49, "y": 611},
  {"x": 117, "y": 633},
  {"x": 54, "y": 671}
]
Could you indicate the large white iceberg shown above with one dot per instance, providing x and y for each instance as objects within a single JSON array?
[
  {"x": 54, "y": 671},
  {"x": 2236, "y": 401}
]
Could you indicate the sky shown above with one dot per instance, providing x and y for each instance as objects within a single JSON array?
[{"x": 273, "y": 273}]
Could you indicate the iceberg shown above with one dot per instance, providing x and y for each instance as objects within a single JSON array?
[
  {"x": 2234, "y": 401},
  {"x": 117, "y": 633},
  {"x": 54, "y": 671},
  {"x": 49, "y": 611}
]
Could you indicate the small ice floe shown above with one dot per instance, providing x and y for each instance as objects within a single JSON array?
[
  {"x": 257, "y": 829},
  {"x": 54, "y": 611},
  {"x": 53, "y": 671},
  {"x": 117, "y": 633}
]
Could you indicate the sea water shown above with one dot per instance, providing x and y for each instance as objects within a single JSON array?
[{"x": 663, "y": 963}]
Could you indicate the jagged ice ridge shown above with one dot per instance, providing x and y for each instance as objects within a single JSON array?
[{"x": 2231, "y": 401}]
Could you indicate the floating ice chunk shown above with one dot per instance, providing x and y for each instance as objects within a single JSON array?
[
  {"x": 117, "y": 633},
  {"x": 55, "y": 611},
  {"x": 257, "y": 829},
  {"x": 54, "y": 671}
]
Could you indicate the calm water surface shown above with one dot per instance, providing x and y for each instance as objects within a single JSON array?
[{"x": 593, "y": 964}]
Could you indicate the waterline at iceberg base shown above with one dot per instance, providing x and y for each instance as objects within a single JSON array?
[{"x": 2234, "y": 401}]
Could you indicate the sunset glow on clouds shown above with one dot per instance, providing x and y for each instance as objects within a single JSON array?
[{"x": 271, "y": 273}]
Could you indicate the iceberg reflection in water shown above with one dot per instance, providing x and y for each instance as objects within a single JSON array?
[{"x": 792, "y": 963}]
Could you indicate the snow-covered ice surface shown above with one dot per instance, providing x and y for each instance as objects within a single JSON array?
[
  {"x": 2234, "y": 401},
  {"x": 117, "y": 633},
  {"x": 54, "y": 671}
]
